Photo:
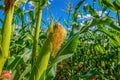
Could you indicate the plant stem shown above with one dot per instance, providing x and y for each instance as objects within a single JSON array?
[
  {"x": 6, "y": 33},
  {"x": 36, "y": 36}
]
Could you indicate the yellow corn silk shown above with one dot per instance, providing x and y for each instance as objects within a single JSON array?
[{"x": 58, "y": 37}]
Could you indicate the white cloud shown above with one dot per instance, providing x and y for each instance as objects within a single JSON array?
[
  {"x": 87, "y": 16},
  {"x": 79, "y": 16},
  {"x": 86, "y": 4},
  {"x": 82, "y": 24},
  {"x": 100, "y": 13},
  {"x": 31, "y": 3},
  {"x": 49, "y": 2},
  {"x": 69, "y": 28},
  {"x": 23, "y": 8}
]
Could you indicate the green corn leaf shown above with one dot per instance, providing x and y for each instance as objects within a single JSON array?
[
  {"x": 31, "y": 15},
  {"x": 43, "y": 2},
  {"x": 1, "y": 7},
  {"x": 99, "y": 48},
  {"x": 117, "y": 3},
  {"x": 104, "y": 21},
  {"x": 111, "y": 35},
  {"x": 109, "y": 4},
  {"x": 20, "y": 59},
  {"x": 92, "y": 11},
  {"x": 71, "y": 47},
  {"x": 113, "y": 43},
  {"x": 76, "y": 10},
  {"x": 29, "y": 36},
  {"x": 26, "y": 71},
  {"x": 100, "y": 2},
  {"x": 51, "y": 73},
  {"x": 18, "y": 3}
]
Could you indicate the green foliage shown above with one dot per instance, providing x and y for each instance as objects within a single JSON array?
[{"x": 90, "y": 51}]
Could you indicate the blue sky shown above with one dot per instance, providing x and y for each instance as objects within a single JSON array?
[{"x": 57, "y": 8}]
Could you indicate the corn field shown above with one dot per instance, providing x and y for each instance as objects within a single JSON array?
[{"x": 83, "y": 46}]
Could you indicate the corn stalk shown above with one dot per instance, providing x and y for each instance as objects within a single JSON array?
[
  {"x": 6, "y": 32},
  {"x": 38, "y": 7},
  {"x": 36, "y": 37}
]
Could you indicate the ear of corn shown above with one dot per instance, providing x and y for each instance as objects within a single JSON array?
[
  {"x": 55, "y": 37},
  {"x": 42, "y": 61},
  {"x": 6, "y": 32},
  {"x": 43, "y": 58}
]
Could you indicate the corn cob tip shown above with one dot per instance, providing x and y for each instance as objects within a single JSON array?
[
  {"x": 8, "y": 4},
  {"x": 6, "y": 75}
]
